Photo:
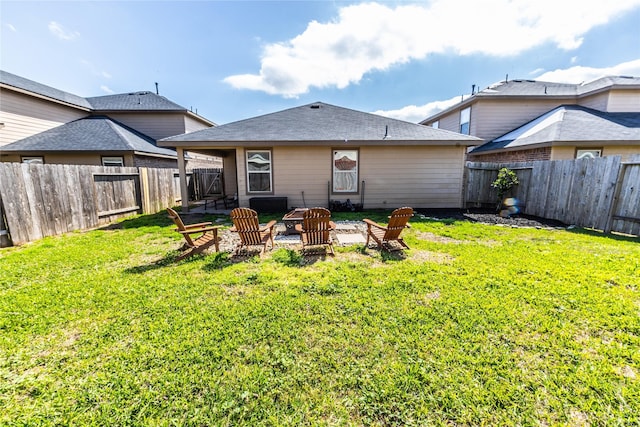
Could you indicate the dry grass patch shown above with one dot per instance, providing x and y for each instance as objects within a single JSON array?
[
  {"x": 432, "y": 237},
  {"x": 435, "y": 257}
]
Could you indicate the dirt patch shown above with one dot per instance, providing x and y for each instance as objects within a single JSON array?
[
  {"x": 435, "y": 257},
  {"x": 431, "y": 237},
  {"x": 491, "y": 217}
]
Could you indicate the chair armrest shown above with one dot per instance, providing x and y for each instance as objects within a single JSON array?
[
  {"x": 269, "y": 225},
  {"x": 200, "y": 230},
  {"x": 332, "y": 225},
  {"x": 233, "y": 229},
  {"x": 201, "y": 224},
  {"x": 371, "y": 223}
]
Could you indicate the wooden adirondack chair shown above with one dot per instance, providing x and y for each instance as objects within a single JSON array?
[
  {"x": 245, "y": 223},
  {"x": 208, "y": 235},
  {"x": 315, "y": 229},
  {"x": 384, "y": 236}
]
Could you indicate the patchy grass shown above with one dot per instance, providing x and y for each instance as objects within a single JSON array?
[{"x": 475, "y": 325}]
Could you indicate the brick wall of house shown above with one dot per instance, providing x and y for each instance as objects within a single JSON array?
[
  {"x": 154, "y": 162},
  {"x": 513, "y": 156}
]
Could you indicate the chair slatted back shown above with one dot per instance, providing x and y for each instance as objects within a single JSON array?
[
  {"x": 180, "y": 226},
  {"x": 245, "y": 220},
  {"x": 316, "y": 227},
  {"x": 397, "y": 222}
]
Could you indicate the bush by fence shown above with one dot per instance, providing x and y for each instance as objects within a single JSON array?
[
  {"x": 44, "y": 200},
  {"x": 599, "y": 193}
]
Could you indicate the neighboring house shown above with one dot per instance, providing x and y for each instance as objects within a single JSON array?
[
  {"x": 91, "y": 140},
  {"x": 319, "y": 152},
  {"x": 30, "y": 111},
  {"x": 505, "y": 106},
  {"x": 567, "y": 132}
]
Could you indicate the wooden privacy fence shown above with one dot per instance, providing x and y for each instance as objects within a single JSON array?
[
  {"x": 44, "y": 200},
  {"x": 599, "y": 193},
  {"x": 207, "y": 183}
]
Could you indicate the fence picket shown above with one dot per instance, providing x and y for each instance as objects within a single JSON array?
[
  {"x": 45, "y": 200},
  {"x": 600, "y": 193}
]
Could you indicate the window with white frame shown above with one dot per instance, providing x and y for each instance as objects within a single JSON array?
[
  {"x": 33, "y": 159},
  {"x": 588, "y": 153},
  {"x": 259, "y": 171},
  {"x": 436, "y": 124},
  {"x": 113, "y": 161},
  {"x": 465, "y": 119},
  {"x": 345, "y": 171}
]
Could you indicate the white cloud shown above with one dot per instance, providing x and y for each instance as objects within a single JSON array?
[
  {"x": 417, "y": 113},
  {"x": 373, "y": 37},
  {"x": 106, "y": 89},
  {"x": 12, "y": 28},
  {"x": 536, "y": 71},
  {"x": 63, "y": 34},
  {"x": 579, "y": 74}
]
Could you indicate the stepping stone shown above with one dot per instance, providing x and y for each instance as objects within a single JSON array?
[
  {"x": 350, "y": 239},
  {"x": 345, "y": 227},
  {"x": 291, "y": 239}
]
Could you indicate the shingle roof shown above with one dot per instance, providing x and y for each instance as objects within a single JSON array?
[
  {"x": 570, "y": 124},
  {"x": 43, "y": 90},
  {"x": 320, "y": 122},
  {"x": 134, "y": 101},
  {"x": 96, "y": 133},
  {"x": 519, "y": 88}
]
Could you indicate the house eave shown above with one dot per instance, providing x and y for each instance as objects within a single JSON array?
[
  {"x": 43, "y": 97},
  {"x": 328, "y": 143},
  {"x": 200, "y": 118},
  {"x": 160, "y": 156}
]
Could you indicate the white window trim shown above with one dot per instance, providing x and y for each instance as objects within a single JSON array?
[
  {"x": 106, "y": 160},
  {"x": 32, "y": 159},
  {"x": 333, "y": 172},
  {"x": 270, "y": 172},
  {"x": 585, "y": 153},
  {"x": 465, "y": 114}
]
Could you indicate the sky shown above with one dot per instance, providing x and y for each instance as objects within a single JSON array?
[{"x": 232, "y": 60}]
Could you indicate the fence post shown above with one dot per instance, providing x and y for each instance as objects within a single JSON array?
[
  {"x": 144, "y": 197},
  {"x": 5, "y": 241}
]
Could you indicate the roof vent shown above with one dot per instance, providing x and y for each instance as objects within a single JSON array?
[
  {"x": 386, "y": 132},
  {"x": 314, "y": 106}
]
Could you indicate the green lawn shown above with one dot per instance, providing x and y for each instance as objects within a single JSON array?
[{"x": 475, "y": 325}]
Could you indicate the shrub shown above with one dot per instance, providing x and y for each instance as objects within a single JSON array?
[{"x": 504, "y": 182}]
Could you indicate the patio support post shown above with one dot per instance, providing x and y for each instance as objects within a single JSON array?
[{"x": 182, "y": 171}]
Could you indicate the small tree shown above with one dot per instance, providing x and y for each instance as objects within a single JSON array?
[{"x": 504, "y": 182}]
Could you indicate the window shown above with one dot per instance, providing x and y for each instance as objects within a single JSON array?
[
  {"x": 33, "y": 159},
  {"x": 436, "y": 124},
  {"x": 588, "y": 154},
  {"x": 259, "y": 171},
  {"x": 465, "y": 117},
  {"x": 345, "y": 171},
  {"x": 112, "y": 161}
]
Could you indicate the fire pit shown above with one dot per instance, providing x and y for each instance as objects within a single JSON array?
[{"x": 292, "y": 218}]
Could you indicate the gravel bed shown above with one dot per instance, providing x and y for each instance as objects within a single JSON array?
[
  {"x": 229, "y": 240},
  {"x": 491, "y": 217}
]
